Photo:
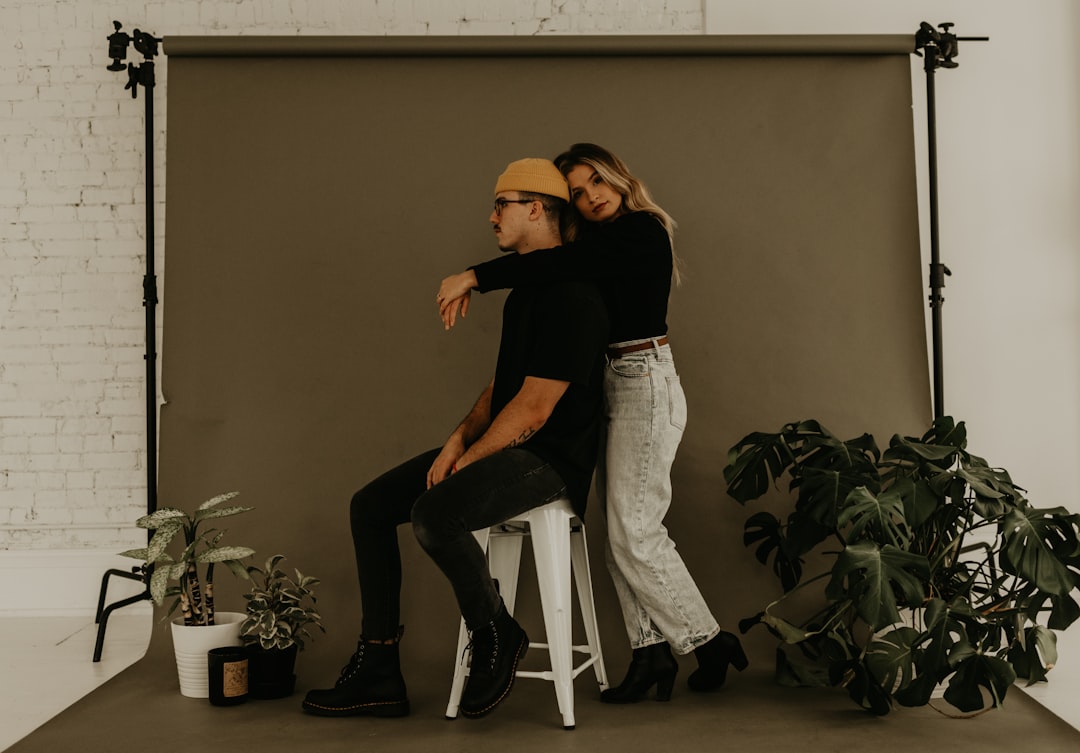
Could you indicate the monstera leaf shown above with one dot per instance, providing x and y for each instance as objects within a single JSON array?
[
  {"x": 946, "y": 431},
  {"x": 943, "y": 642},
  {"x": 861, "y": 686},
  {"x": 761, "y": 458},
  {"x": 905, "y": 448},
  {"x": 993, "y": 490},
  {"x": 765, "y": 530},
  {"x": 978, "y": 670},
  {"x": 823, "y": 492},
  {"x": 880, "y": 518},
  {"x": 891, "y": 658},
  {"x": 1038, "y": 543},
  {"x": 754, "y": 463},
  {"x": 796, "y": 670},
  {"x": 1035, "y": 655},
  {"x": 920, "y": 501},
  {"x": 871, "y": 573},
  {"x": 1065, "y": 612},
  {"x": 946, "y": 634},
  {"x": 786, "y": 631},
  {"x": 819, "y": 448}
]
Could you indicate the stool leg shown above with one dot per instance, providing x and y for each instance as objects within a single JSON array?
[
  {"x": 461, "y": 671},
  {"x": 551, "y": 548},
  {"x": 504, "y": 560},
  {"x": 579, "y": 555},
  {"x": 461, "y": 661}
]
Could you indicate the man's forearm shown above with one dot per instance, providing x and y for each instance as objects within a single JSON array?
[
  {"x": 509, "y": 429},
  {"x": 472, "y": 426},
  {"x": 522, "y": 417},
  {"x": 476, "y": 423}
]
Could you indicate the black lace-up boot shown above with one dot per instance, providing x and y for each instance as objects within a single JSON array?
[
  {"x": 370, "y": 684},
  {"x": 496, "y": 650}
]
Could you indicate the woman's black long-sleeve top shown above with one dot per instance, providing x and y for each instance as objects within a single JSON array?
[{"x": 628, "y": 258}]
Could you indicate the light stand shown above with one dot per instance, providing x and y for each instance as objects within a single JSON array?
[
  {"x": 941, "y": 47},
  {"x": 142, "y": 74}
]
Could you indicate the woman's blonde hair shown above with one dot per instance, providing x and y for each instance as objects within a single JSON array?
[{"x": 635, "y": 196}]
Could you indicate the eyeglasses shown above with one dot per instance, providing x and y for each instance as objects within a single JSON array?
[{"x": 500, "y": 204}]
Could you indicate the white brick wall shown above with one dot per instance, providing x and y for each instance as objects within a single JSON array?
[{"x": 72, "y": 460}]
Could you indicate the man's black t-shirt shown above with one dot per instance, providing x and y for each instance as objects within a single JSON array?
[{"x": 557, "y": 331}]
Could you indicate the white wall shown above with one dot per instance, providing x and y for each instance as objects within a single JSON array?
[
  {"x": 1009, "y": 205},
  {"x": 72, "y": 468},
  {"x": 1008, "y": 131},
  {"x": 72, "y": 420}
]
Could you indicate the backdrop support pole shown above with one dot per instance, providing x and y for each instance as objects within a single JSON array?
[
  {"x": 938, "y": 271},
  {"x": 142, "y": 74},
  {"x": 940, "y": 48}
]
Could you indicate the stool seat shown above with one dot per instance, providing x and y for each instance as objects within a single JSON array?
[{"x": 560, "y": 552}]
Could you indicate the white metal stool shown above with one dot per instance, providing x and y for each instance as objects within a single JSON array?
[{"x": 559, "y": 548}]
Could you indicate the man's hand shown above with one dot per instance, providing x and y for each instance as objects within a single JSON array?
[
  {"x": 453, "y": 297},
  {"x": 444, "y": 463}
]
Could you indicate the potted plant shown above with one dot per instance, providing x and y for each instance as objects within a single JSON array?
[
  {"x": 280, "y": 609},
  {"x": 938, "y": 569},
  {"x": 200, "y": 627}
]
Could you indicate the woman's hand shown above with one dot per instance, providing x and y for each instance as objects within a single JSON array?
[
  {"x": 448, "y": 311},
  {"x": 454, "y": 295}
]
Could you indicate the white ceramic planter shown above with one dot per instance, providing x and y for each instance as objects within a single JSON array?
[{"x": 191, "y": 642}]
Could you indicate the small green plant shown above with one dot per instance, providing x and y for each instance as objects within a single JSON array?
[
  {"x": 194, "y": 591},
  {"x": 277, "y": 614},
  {"x": 938, "y": 570}
]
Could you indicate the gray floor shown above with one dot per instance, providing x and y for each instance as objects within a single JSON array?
[{"x": 47, "y": 667}]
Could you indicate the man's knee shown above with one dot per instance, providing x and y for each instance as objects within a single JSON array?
[{"x": 431, "y": 522}]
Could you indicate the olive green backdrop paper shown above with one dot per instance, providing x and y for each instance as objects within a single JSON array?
[{"x": 317, "y": 195}]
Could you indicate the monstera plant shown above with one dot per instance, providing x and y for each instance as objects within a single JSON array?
[{"x": 905, "y": 570}]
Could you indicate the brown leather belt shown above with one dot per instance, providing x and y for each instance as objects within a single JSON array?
[{"x": 616, "y": 352}]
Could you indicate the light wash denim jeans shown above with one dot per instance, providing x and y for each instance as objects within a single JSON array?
[{"x": 646, "y": 415}]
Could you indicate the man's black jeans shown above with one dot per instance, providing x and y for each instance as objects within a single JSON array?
[{"x": 480, "y": 495}]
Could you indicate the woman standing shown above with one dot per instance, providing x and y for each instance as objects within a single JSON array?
[{"x": 625, "y": 247}]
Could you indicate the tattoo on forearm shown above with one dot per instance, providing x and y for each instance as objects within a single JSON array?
[{"x": 521, "y": 439}]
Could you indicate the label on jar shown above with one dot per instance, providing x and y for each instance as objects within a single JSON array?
[{"x": 234, "y": 681}]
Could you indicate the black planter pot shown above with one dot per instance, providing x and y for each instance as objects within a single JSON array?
[{"x": 270, "y": 672}]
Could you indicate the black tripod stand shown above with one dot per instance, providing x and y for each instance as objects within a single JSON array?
[
  {"x": 940, "y": 49},
  {"x": 142, "y": 74}
]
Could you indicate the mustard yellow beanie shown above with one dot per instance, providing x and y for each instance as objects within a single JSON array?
[{"x": 534, "y": 175}]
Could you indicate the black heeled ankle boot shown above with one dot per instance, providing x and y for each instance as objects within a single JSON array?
[
  {"x": 713, "y": 660},
  {"x": 650, "y": 665},
  {"x": 496, "y": 650},
  {"x": 370, "y": 684}
]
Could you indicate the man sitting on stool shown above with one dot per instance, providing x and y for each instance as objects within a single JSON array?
[{"x": 530, "y": 438}]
